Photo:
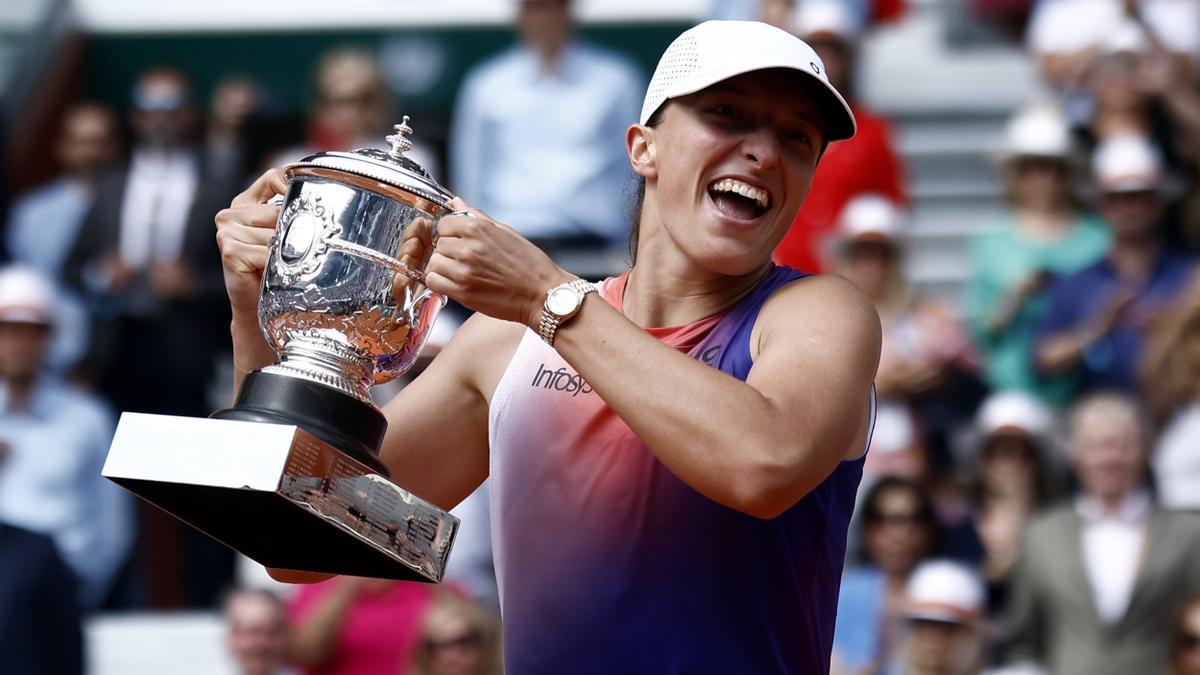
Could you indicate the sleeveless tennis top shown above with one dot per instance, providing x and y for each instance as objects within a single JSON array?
[{"x": 609, "y": 564}]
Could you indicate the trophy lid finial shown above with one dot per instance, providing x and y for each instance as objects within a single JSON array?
[{"x": 399, "y": 140}]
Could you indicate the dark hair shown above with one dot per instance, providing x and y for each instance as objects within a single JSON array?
[{"x": 639, "y": 193}]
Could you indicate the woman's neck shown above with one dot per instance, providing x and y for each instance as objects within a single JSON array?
[{"x": 665, "y": 288}]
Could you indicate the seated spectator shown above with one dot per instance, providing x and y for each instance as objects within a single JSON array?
[
  {"x": 258, "y": 632},
  {"x": 1170, "y": 385},
  {"x": 1043, "y": 233},
  {"x": 40, "y": 629},
  {"x": 1098, "y": 581},
  {"x": 1013, "y": 480},
  {"x": 924, "y": 350},
  {"x": 55, "y": 438},
  {"x": 457, "y": 638},
  {"x": 1185, "y": 646},
  {"x": 537, "y": 139},
  {"x": 356, "y": 626},
  {"x": 899, "y": 530},
  {"x": 945, "y": 628},
  {"x": 864, "y": 164},
  {"x": 1096, "y": 318}
]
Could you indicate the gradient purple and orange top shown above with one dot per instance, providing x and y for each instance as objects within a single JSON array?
[{"x": 608, "y": 563}]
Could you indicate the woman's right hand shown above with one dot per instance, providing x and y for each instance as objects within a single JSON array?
[{"x": 244, "y": 232}]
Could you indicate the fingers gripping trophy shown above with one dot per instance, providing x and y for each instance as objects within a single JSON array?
[{"x": 290, "y": 474}]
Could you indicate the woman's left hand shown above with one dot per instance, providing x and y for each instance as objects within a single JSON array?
[{"x": 490, "y": 268}]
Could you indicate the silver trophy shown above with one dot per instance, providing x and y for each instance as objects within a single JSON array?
[{"x": 289, "y": 475}]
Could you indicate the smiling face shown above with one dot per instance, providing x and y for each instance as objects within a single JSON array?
[{"x": 728, "y": 167}]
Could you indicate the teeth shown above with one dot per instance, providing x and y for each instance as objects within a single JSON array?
[{"x": 760, "y": 196}]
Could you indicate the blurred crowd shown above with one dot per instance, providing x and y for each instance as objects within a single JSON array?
[{"x": 1032, "y": 485}]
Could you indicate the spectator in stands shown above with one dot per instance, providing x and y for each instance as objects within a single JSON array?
[
  {"x": 867, "y": 163},
  {"x": 1170, "y": 386},
  {"x": 1013, "y": 480},
  {"x": 779, "y": 12},
  {"x": 258, "y": 632},
  {"x": 40, "y": 628},
  {"x": 1096, "y": 318},
  {"x": 924, "y": 347},
  {"x": 351, "y": 109},
  {"x": 354, "y": 625},
  {"x": 899, "y": 530},
  {"x": 55, "y": 440},
  {"x": 1044, "y": 233},
  {"x": 537, "y": 139},
  {"x": 457, "y": 638},
  {"x": 1185, "y": 647},
  {"x": 1099, "y": 581},
  {"x": 944, "y": 628},
  {"x": 227, "y": 150},
  {"x": 148, "y": 267},
  {"x": 44, "y": 223},
  {"x": 1065, "y": 35}
]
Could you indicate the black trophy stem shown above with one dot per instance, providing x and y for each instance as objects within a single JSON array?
[{"x": 348, "y": 424}]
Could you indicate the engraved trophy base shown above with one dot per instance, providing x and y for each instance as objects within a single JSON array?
[{"x": 281, "y": 495}]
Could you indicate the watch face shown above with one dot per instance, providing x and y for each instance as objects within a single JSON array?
[{"x": 562, "y": 301}]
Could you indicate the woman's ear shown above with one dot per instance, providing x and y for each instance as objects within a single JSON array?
[{"x": 639, "y": 143}]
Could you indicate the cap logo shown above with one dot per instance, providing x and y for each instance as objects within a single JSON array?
[{"x": 815, "y": 68}]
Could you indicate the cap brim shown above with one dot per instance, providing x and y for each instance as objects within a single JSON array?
[{"x": 839, "y": 126}]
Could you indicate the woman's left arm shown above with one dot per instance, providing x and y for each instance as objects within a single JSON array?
[{"x": 756, "y": 446}]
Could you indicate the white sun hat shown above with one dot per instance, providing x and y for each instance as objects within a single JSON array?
[
  {"x": 944, "y": 590},
  {"x": 715, "y": 51},
  {"x": 1128, "y": 163},
  {"x": 871, "y": 217},
  {"x": 824, "y": 17},
  {"x": 1015, "y": 412},
  {"x": 26, "y": 296},
  {"x": 1037, "y": 131}
]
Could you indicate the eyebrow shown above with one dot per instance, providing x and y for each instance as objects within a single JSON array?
[{"x": 804, "y": 112}]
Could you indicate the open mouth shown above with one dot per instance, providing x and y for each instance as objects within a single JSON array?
[{"x": 739, "y": 200}]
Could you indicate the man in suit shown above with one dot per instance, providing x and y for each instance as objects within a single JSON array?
[
  {"x": 147, "y": 265},
  {"x": 1099, "y": 579},
  {"x": 146, "y": 259}
]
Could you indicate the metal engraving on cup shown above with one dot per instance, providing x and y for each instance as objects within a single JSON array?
[{"x": 343, "y": 300}]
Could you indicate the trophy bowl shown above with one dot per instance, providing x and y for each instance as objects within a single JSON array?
[{"x": 344, "y": 303}]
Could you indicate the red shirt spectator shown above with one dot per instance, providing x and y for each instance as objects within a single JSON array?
[{"x": 865, "y": 163}]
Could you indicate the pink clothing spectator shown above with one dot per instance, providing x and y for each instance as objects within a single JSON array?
[{"x": 376, "y": 623}]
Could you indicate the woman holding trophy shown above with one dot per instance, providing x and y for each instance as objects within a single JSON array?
[{"x": 673, "y": 453}]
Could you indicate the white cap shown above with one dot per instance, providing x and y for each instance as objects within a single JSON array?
[
  {"x": 1128, "y": 38},
  {"x": 1127, "y": 163},
  {"x": 871, "y": 216},
  {"x": 715, "y": 51},
  {"x": 944, "y": 590},
  {"x": 1037, "y": 131},
  {"x": 824, "y": 17},
  {"x": 1014, "y": 412},
  {"x": 25, "y": 296}
]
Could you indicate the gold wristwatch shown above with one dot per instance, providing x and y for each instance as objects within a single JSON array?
[{"x": 562, "y": 303}]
